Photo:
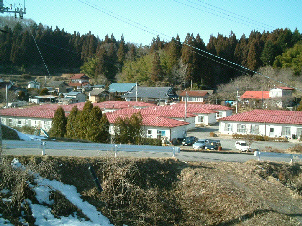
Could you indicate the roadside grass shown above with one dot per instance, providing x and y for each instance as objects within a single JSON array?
[{"x": 162, "y": 191}]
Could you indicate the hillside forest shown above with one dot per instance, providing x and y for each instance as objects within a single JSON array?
[{"x": 30, "y": 48}]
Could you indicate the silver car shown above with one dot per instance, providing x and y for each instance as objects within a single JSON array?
[{"x": 200, "y": 144}]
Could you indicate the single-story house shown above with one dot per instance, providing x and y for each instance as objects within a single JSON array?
[
  {"x": 150, "y": 94},
  {"x": 272, "y": 123},
  {"x": 73, "y": 97},
  {"x": 38, "y": 118},
  {"x": 43, "y": 99},
  {"x": 96, "y": 94},
  {"x": 154, "y": 126},
  {"x": 119, "y": 89},
  {"x": 194, "y": 95},
  {"x": 80, "y": 78},
  {"x": 205, "y": 114},
  {"x": 33, "y": 85}
]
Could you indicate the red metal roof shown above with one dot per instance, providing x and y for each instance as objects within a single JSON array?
[
  {"x": 267, "y": 116},
  {"x": 149, "y": 120},
  {"x": 193, "y": 93},
  {"x": 79, "y": 76},
  {"x": 255, "y": 95}
]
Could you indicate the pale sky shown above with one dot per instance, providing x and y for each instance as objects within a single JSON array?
[{"x": 140, "y": 21}]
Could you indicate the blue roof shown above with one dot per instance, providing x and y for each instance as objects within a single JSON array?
[{"x": 121, "y": 87}]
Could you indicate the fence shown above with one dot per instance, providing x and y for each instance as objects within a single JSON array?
[{"x": 48, "y": 145}]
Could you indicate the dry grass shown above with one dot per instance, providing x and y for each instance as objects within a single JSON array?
[{"x": 149, "y": 191}]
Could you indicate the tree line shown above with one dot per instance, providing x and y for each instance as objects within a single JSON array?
[{"x": 173, "y": 62}]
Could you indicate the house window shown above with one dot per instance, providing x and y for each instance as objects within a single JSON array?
[
  {"x": 219, "y": 114},
  {"x": 200, "y": 118},
  {"x": 149, "y": 133},
  {"x": 160, "y": 133},
  {"x": 229, "y": 127},
  {"x": 241, "y": 128},
  {"x": 255, "y": 129},
  {"x": 271, "y": 130},
  {"x": 19, "y": 123},
  {"x": 10, "y": 122},
  {"x": 286, "y": 131}
]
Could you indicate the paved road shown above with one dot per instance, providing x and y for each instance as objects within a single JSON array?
[{"x": 182, "y": 156}]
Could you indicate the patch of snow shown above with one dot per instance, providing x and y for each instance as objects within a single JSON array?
[{"x": 43, "y": 213}]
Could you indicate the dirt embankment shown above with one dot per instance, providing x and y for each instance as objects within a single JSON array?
[{"x": 166, "y": 191}]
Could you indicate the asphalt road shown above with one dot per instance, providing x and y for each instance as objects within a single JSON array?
[{"x": 182, "y": 155}]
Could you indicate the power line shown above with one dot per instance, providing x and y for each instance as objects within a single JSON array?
[{"x": 146, "y": 29}]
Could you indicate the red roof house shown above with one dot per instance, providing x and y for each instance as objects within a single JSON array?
[{"x": 273, "y": 123}]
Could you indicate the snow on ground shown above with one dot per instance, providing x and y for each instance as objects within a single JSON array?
[
  {"x": 42, "y": 212},
  {"x": 28, "y": 137}
]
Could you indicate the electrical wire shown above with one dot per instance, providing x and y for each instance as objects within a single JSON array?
[
  {"x": 211, "y": 56},
  {"x": 45, "y": 65}
]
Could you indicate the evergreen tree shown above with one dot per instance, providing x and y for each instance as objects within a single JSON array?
[
  {"x": 83, "y": 121},
  {"x": 104, "y": 125},
  {"x": 72, "y": 123},
  {"x": 94, "y": 132},
  {"x": 269, "y": 53},
  {"x": 128, "y": 130},
  {"x": 156, "y": 71},
  {"x": 121, "y": 51},
  {"x": 58, "y": 128}
]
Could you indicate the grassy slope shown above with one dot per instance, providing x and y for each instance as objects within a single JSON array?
[{"x": 167, "y": 192}]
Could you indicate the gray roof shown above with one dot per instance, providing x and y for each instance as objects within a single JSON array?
[
  {"x": 121, "y": 87},
  {"x": 96, "y": 92},
  {"x": 149, "y": 92}
]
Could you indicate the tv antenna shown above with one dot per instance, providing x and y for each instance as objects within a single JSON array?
[{"x": 10, "y": 9}]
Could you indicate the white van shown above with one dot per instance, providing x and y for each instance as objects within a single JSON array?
[{"x": 242, "y": 145}]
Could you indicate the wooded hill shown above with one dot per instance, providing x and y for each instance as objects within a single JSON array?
[{"x": 177, "y": 62}]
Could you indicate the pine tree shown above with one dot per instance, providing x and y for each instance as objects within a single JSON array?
[
  {"x": 58, "y": 128},
  {"x": 83, "y": 121},
  {"x": 104, "y": 125},
  {"x": 93, "y": 125},
  {"x": 72, "y": 123},
  {"x": 156, "y": 71}
]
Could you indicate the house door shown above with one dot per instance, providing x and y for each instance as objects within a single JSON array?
[{"x": 299, "y": 132}]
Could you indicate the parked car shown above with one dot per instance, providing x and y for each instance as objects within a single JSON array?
[
  {"x": 189, "y": 141},
  {"x": 200, "y": 144},
  {"x": 242, "y": 145},
  {"x": 213, "y": 145}
]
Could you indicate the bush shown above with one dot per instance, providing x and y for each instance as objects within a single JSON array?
[
  {"x": 152, "y": 141},
  {"x": 258, "y": 137},
  {"x": 9, "y": 134},
  {"x": 26, "y": 129}
]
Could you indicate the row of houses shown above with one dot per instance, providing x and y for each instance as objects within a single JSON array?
[
  {"x": 272, "y": 123},
  {"x": 167, "y": 122},
  {"x": 170, "y": 121}
]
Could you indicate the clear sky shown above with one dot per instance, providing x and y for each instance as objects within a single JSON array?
[{"x": 140, "y": 21}]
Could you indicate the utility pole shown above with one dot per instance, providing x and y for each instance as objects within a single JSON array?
[{"x": 16, "y": 10}]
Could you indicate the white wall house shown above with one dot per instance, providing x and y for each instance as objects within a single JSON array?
[
  {"x": 33, "y": 85},
  {"x": 263, "y": 122},
  {"x": 39, "y": 123}
]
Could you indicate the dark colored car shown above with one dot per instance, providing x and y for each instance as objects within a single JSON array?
[
  {"x": 213, "y": 145},
  {"x": 189, "y": 141}
]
